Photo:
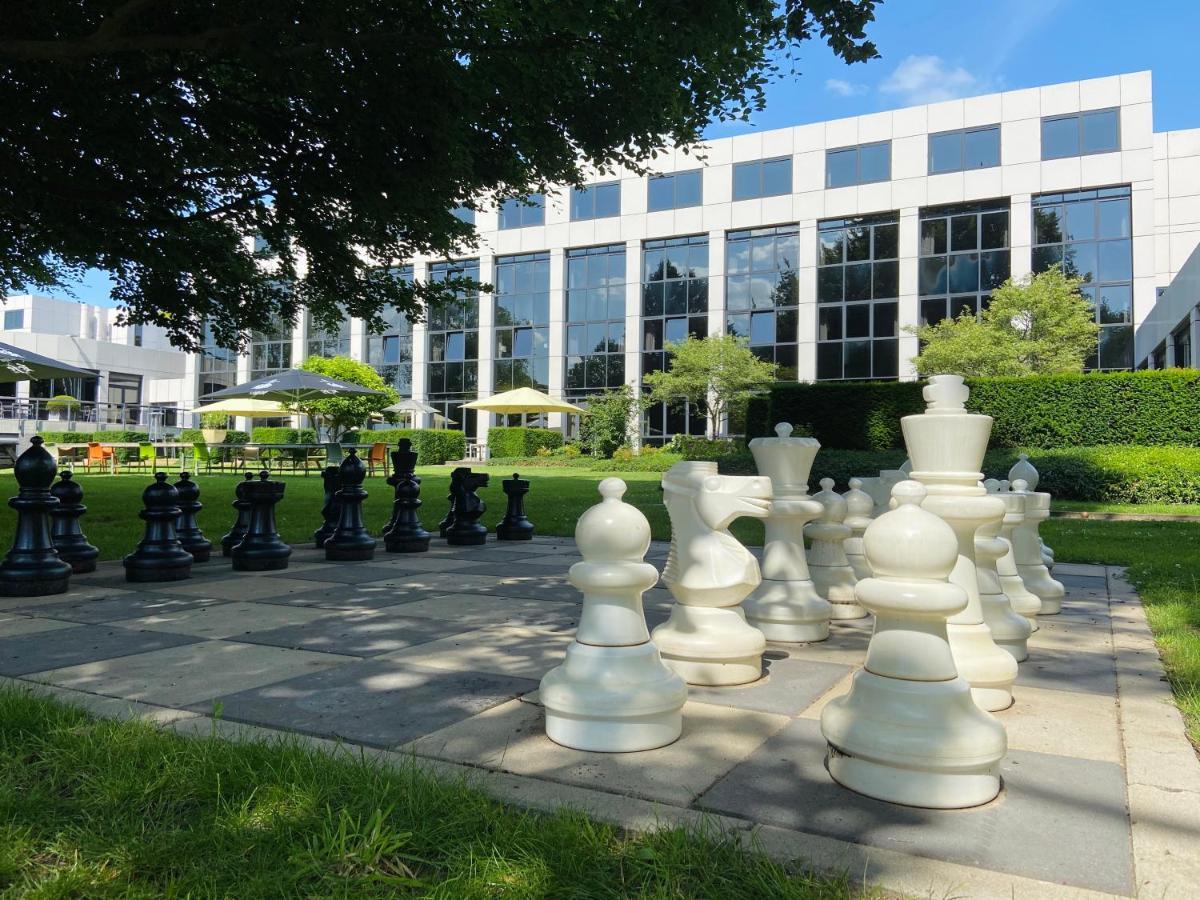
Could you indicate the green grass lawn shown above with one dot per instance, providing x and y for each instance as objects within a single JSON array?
[
  {"x": 1154, "y": 509},
  {"x": 95, "y": 808}
]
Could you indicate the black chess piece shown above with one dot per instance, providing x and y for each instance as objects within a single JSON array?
[
  {"x": 69, "y": 540},
  {"x": 159, "y": 555},
  {"x": 32, "y": 567},
  {"x": 187, "y": 528},
  {"x": 515, "y": 526},
  {"x": 468, "y": 507},
  {"x": 455, "y": 476},
  {"x": 262, "y": 549},
  {"x": 242, "y": 522},
  {"x": 404, "y": 533},
  {"x": 331, "y": 509},
  {"x": 351, "y": 540}
]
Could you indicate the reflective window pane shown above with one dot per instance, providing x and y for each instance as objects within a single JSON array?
[
  {"x": 875, "y": 162},
  {"x": 1116, "y": 304},
  {"x": 688, "y": 189},
  {"x": 994, "y": 230},
  {"x": 777, "y": 177},
  {"x": 1101, "y": 131},
  {"x": 841, "y": 168},
  {"x": 945, "y": 152},
  {"x": 660, "y": 193},
  {"x": 964, "y": 232},
  {"x": 981, "y": 148},
  {"x": 1060, "y": 137},
  {"x": 1116, "y": 261},
  {"x": 1113, "y": 218},
  {"x": 933, "y": 236},
  {"x": 747, "y": 180}
]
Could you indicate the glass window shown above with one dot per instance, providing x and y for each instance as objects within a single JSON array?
[
  {"x": 522, "y": 300},
  {"x": 762, "y": 178},
  {"x": 1060, "y": 137},
  {"x": 596, "y": 320},
  {"x": 763, "y": 266},
  {"x": 841, "y": 168},
  {"x": 452, "y": 333},
  {"x": 981, "y": 148},
  {"x": 464, "y": 214},
  {"x": 515, "y": 213},
  {"x": 596, "y": 201},
  {"x": 1096, "y": 131},
  {"x": 953, "y": 274},
  {"x": 945, "y": 152},
  {"x": 858, "y": 165},
  {"x": 14, "y": 319},
  {"x": 1101, "y": 131}
]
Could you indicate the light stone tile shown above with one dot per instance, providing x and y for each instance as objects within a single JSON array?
[
  {"x": 1166, "y": 840},
  {"x": 512, "y": 738},
  {"x": 522, "y": 651},
  {"x": 1063, "y": 723},
  {"x": 180, "y": 676},
  {"x": 248, "y": 588},
  {"x": 226, "y": 620},
  {"x": 473, "y": 610}
]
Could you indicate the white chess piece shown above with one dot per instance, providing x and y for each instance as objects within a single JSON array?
[
  {"x": 1023, "y": 469},
  {"x": 909, "y": 731},
  {"x": 1010, "y": 630},
  {"x": 613, "y": 693},
  {"x": 1028, "y": 552},
  {"x": 707, "y": 639},
  {"x": 859, "y": 507},
  {"x": 1023, "y": 602},
  {"x": 946, "y": 444},
  {"x": 827, "y": 562},
  {"x": 786, "y": 606}
]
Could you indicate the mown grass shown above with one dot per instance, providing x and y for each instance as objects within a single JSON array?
[
  {"x": 1164, "y": 565},
  {"x": 94, "y": 808},
  {"x": 1153, "y": 509}
]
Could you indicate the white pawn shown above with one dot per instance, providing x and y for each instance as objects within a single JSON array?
[
  {"x": 1023, "y": 469},
  {"x": 786, "y": 606},
  {"x": 1010, "y": 630},
  {"x": 1023, "y": 602},
  {"x": 827, "y": 562},
  {"x": 1028, "y": 552},
  {"x": 613, "y": 693},
  {"x": 859, "y": 506},
  {"x": 909, "y": 731},
  {"x": 707, "y": 639},
  {"x": 946, "y": 444}
]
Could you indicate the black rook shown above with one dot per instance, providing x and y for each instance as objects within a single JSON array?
[
  {"x": 262, "y": 548},
  {"x": 515, "y": 526}
]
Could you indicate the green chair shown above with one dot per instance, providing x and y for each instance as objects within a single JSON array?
[
  {"x": 147, "y": 456},
  {"x": 202, "y": 456}
]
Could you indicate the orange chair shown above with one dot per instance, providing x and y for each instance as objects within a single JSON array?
[
  {"x": 99, "y": 453},
  {"x": 377, "y": 455}
]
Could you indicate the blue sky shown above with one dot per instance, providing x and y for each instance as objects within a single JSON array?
[{"x": 941, "y": 49}]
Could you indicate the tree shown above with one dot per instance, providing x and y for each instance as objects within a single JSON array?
[
  {"x": 716, "y": 372},
  {"x": 340, "y": 414},
  {"x": 1040, "y": 325},
  {"x": 611, "y": 419},
  {"x": 149, "y": 138}
]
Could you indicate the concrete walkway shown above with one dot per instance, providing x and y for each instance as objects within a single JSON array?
[{"x": 437, "y": 656}]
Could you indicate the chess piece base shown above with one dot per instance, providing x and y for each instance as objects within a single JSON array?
[
  {"x": 789, "y": 612},
  {"x": 918, "y": 743},
  {"x": 514, "y": 534},
  {"x": 466, "y": 540},
  {"x": 613, "y": 699},
  {"x": 243, "y": 564},
  {"x": 352, "y": 553},
  {"x": 201, "y": 553},
  {"x": 19, "y": 584},
  {"x": 160, "y": 572},
  {"x": 711, "y": 645},
  {"x": 81, "y": 560},
  {"x": 414, "y": 545},
  {"x": 989, "y": 670}
]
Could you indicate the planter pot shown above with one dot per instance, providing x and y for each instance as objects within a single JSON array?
[{"x": 214, "y": 435}]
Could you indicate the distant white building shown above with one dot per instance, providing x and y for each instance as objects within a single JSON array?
[{"x": 140, "y": 379}]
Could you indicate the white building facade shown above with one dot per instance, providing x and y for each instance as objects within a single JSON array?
[{"x": 820, "y": 244}]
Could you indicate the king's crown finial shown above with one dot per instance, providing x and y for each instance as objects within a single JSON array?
[
  {"x": 784, "y": 429},
  {"x": 945, "y": 393}
]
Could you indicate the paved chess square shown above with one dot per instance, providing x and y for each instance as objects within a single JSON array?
[
  {"x": 223, "y": 620},
  {"x": 366, "y": 632},
  {"x": 72, "y": 646},
  {"x": 114, "y": 608}
]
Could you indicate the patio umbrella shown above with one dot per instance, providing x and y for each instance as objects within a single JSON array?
[
  {"x": 251, "y": 409},
  {"x": 522, "y": 400},
  {"x": 24, "y": 365},
  {"x": 410, "y": 405},
  {"x": 291, "y": 386}
]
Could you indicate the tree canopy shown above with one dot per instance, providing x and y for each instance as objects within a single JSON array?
[
  {"x": 149, "y": 138},
  {"x": 340, "y": 414},
  {"x": 1040, "y": 325},
  {"x": 716, "y": 372}
]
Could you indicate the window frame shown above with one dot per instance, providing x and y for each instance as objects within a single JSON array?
[
  {"x": 1079, "y": 120},
  {"x": 858, "y": 148},
  {"x": 522, "y": 209},
  {"x": 674, "y": 177},
  {"x": 760, "y": 164},
  {"x": 962, "y": 133},
  {"x": 590, "y": 191}
]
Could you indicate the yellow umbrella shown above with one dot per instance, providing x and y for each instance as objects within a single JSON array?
[
  {"x": 249, "y": 408},
  {"x": 522, "y": 400}
]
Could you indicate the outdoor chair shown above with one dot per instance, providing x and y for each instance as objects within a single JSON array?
[
  {"x": 377, "y": 455},
  {"x": 202, "y": 456},
  {"x": 97, "y": 452},
  {"x": 251, "y": 457},
  {"x": 315, "y": 458},
  {"x": 147, "y": 457}
]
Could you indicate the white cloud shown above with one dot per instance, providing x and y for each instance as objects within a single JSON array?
[
  {"x": 844, "y": 88},
  {"x": 930, "y": 79}
]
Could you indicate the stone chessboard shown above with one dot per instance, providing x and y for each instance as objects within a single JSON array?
[{"x": 438, "y": 656}]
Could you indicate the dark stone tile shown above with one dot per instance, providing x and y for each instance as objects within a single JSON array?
[
  {"x": 360, "y": 632},
  {"x": 116, "y": 608},
  {"x": 509, "y": 569},
  {"x": 1059, "y": 819},
  {"x": 347, "y": 573},
  {"x": 1061, "y": 669},
  {"x": 73, "y": 646},
  {"x": 378, "y": 702},
  {"x": 788, "y": 687},
  {"x": 352, "y": 596}
]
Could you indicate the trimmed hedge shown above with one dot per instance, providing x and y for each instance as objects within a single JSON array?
[
  {"x": 520, "y": 441},
  {"x": 265, "y": 434},
  {"x": 65, "y": 437},
  {"x": 191, "y": 435},
  {"x": 434, "y": 446},
  {"x": 1042, "y": 411}
]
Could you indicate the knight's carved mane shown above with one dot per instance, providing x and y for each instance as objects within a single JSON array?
[{"x": 677, "y": 489}]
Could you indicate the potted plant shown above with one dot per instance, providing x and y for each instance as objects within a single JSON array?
[
  {"x": 214, "y": 427},
  {"x": 60, "y": 404}
]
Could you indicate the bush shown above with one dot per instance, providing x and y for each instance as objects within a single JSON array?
[
  {"x": 433, "y": 446},
  {"x": 505, "y": 441},
  {"x": 190, "y": 435},
  {"x": 66, "y": 437},
  {"x": 1041, "y": 411},
  {"x": 266, "y": 434},
  {"x": 62, "y": 403}
]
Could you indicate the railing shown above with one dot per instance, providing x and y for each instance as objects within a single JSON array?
[{"x": 34, "y": 415}]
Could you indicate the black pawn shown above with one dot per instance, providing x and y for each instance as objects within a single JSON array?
[
  {"x": 242, "y": 522},
  {"x": 455, "y": 477},
  {"x": 331, "y": 509},
  {"x": 515, "y": 526},
  {"x": 262, "y": 549},
  {"x": 159, "y": 555},
  {"x": 467, "y": 530},
  {"x": 32, "y": 567},
  {"x": 404, "y": 533},
  {"x": 187, "y": 528},
  {"x": 69, "y": 540},
  {"x": 351, "y": 540}
]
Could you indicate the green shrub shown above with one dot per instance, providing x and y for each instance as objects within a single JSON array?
[
  {"x": 66, "y": 437},
  {"x": 1042, "y": 411},
  {"x": 506, "y": 441},
  {"x": 434, "y": 446},
  {"x": 190, "y": 435},
  {"x": 266, "y": 434}
]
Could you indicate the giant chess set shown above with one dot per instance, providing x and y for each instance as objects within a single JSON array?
[{"x": 950, "y": 565}]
